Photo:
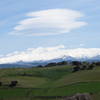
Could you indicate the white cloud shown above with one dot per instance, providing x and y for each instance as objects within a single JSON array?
[
  {"x": 49, "y": 22},
  {"x": 49, "y": 53}
]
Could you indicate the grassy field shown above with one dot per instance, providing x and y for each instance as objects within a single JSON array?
[{"x": 49, "y": 81}]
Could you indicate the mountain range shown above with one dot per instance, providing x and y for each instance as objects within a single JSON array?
[{"x": 40, "y": 62}]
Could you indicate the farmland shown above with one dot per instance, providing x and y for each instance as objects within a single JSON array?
[{"x": 48, "y": 81}]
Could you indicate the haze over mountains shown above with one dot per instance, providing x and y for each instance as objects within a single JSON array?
[{"x": 37, "y": 56}]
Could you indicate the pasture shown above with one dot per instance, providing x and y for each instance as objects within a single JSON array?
[{"x": 48, "y": 81}]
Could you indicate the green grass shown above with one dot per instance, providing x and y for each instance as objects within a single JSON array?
[
  {"x": 80, "y": 87},
  {"x": 39, "y": 76},
  {"x": 49, "y": 72},
  {"x": 49, "y": 81}
]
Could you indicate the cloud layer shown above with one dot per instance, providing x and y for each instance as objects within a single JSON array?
[
  {"x": 49, "y": 22},
  {"x": 49, "y": 53}
]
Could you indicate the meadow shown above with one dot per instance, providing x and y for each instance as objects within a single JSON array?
[{"x": 48, "y": 81}]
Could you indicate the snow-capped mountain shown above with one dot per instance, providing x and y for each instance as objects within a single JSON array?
[
  {"x": 36, "y": 63},
  {"x": 42, "y": 56}
]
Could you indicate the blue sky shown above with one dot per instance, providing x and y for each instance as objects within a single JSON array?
[{"x": 14, "y": 11}]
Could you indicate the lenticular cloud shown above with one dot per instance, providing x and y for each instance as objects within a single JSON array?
[
  {"x": 49, "y": 22},
  {"x": 49, "y": 53}
]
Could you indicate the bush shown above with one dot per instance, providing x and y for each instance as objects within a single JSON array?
[
  {"x": 0, "y": 83},
  {"x": 13, "y": 83},
  {"x": 76, "y": 68}
]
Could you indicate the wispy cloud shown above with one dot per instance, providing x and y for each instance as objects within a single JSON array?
[
  {"x": 49, "y": 22},
  {"x": 49, "y": 53}
]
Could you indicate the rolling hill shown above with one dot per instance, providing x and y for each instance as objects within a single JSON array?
[{"x": 48, "y": 81}]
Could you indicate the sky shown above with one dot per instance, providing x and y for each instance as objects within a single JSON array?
[{"x": 26, "y": 24}]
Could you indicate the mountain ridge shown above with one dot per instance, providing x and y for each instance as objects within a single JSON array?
[{"x": 42, "y": 62}]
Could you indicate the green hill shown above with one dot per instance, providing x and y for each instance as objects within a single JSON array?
[{"x": 48, "y": 81}]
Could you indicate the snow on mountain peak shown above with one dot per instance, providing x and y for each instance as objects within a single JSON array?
[{"x": 50, "y": 53}]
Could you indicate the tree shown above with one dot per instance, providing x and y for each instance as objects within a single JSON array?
[
  {"x": 50, "y": 65},
  {"x": 76, "y": 68},
  {"x": 0, "y": 83},
  {"x": 13, "y": 83},
  {"x": 91, "y": 66},
  {"x": 76, "y": 63},
  {"x": 39, "y": 66},
  {"x": 62, "y": 63},
  {"x": 83, "y": 67}
]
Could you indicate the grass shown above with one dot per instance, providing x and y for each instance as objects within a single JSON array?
[
  {"x": 39, "y": 76},
  {"x": 49, "y": 81},
  {"x": 80, "y": 87}
]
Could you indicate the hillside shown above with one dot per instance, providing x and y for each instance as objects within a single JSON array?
[{"x": 48, "y": 81}]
